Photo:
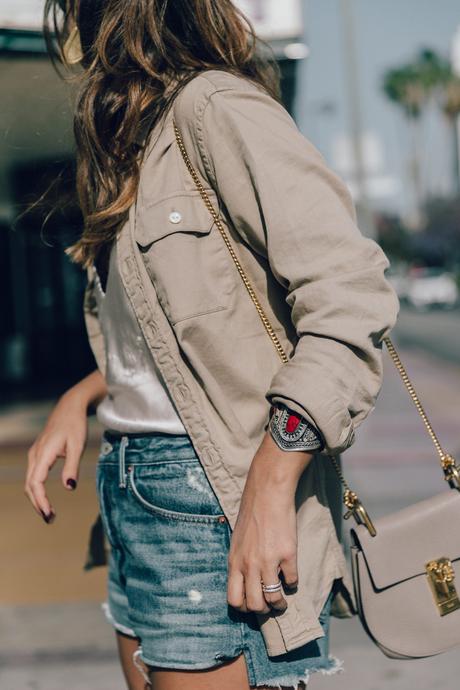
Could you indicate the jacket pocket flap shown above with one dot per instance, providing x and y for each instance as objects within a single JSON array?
[{"x": 184, "y": 212}]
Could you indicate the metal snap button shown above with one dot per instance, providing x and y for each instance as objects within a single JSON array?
[
  {"x": 106, "y": 448},
  {"x": 175, "y": 217}
]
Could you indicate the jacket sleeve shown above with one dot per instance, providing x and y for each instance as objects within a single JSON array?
[{"x": 286, "y": 203}]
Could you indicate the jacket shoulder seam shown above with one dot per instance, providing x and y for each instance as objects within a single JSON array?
[
  {"x": 194, "y": 101},
  {"x": 236, "y": 81}
]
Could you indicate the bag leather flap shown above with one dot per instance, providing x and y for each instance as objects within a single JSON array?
[
  {"x": 181, "y": 212},
  {"x": 407, "y": 539}
]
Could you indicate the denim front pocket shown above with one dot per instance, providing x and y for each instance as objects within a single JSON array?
[{"x": 174, "y": 490}]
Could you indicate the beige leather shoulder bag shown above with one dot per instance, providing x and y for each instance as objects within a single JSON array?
[{"x": 405, "y": 565}]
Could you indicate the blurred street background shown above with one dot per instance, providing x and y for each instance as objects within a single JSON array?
[{"x": 376, "y": 87}]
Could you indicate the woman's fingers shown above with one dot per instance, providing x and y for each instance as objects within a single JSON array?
[
  {"x": 64, "y": 436},
  {"x": 276, "y": 600},
  {"x": 27, "y": 487},
  {"x": 244, "y": 586},
  {"x": 41, "y": 458},
  {"x": 255, "y": 600},
  {"x": 235, "y": 589},
  {"x": 71, "y": 465},
  {"x": 37, "y": 486},
  {"x": 31, "y": 459},
  {"x": 289, "y": 569},
  {"x": 244, "y": 591}
]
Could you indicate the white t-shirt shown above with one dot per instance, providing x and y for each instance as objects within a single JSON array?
[{"x": 138, "y": 400}]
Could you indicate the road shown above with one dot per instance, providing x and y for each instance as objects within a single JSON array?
[
  {"x": 437, "y": 332},
  {"x": 53, "y": 633}
]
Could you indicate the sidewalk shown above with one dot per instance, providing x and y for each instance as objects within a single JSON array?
[
  {"x": 21, "y": 423},
  {"x": 64, "y": 641}
]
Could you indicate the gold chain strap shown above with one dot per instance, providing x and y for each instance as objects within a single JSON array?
[
  {"x": 351, "y": 500},
  {"x": 448, "y": 463}
]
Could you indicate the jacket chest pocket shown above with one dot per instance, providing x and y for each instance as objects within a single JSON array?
[{"x": 185, "y": 255}]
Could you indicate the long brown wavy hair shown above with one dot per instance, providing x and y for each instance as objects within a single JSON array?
[{"x": 132, "y": 50}]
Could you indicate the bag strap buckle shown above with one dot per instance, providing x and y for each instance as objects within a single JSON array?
[
  {"x": 451, "y": 471},
  {"x": 360, "y": 514}
]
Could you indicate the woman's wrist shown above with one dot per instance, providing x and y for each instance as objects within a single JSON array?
[
  {"x": 286, "y": 450},
  {"x": 273, "y": 468},
  {"x": 86, "y": 393}
]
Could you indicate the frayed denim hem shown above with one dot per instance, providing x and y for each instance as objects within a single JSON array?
[
  {"x": 202, "y": 666},
  {"x": 137, "y": 656},
  {"x": 127, "y": 631},
  {"x": 118, "y": 626},
  {"x": 288, "y": 681},
  {"x": 291, "y": 681}
]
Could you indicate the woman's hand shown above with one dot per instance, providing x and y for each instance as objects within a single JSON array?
[
  {"x": 264, "y": 541},
  {"x": 64, "y": 435}
]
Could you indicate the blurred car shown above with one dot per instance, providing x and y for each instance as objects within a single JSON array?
[
  {"x": 399, "y": 279},
  {"x": 431, "y": 287}
]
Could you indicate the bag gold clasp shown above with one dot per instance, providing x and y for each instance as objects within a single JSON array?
[{"x": 441, "y": 577}]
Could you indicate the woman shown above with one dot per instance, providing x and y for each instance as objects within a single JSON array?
[{"x": 217, "y": 502}]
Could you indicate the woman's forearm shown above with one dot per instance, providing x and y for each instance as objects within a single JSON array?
[
  {"x": 278, "y": 469},
  {"x": 89, "y": 391},
  {"x": 264, "y": 540}
]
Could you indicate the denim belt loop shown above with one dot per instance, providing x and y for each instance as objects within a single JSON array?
[{"x": 121, "y": 459}]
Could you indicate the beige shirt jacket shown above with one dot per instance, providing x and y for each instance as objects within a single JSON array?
[{"x": 292, "y": 223}]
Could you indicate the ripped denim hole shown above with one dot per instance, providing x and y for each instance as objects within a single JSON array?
[{"x": 198, "y": 482}]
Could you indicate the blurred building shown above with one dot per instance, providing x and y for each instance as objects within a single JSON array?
[
  {"x": 43, "y": 345},
  {"x": 281, "y": 24}
]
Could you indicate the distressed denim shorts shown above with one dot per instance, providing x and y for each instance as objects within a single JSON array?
[{"x": 167, "y": 575}]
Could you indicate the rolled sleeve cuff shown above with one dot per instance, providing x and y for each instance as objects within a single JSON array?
[{"x": 332, "y": 420}]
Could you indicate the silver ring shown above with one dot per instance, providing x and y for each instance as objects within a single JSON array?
[{"x": 271, "y": 588}]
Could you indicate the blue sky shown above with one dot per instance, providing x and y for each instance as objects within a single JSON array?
[{"x": 388, "y": 33}]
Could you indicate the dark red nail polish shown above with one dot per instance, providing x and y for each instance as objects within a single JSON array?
[
  {"x": 72, "y": 483},
  {"x": 47, "y": 518}
]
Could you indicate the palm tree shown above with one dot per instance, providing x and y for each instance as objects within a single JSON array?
[
  {"x": 413, "y": 87},
  {"x": 403, "y": 86},
  {"x": 450, "y": 106}
]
